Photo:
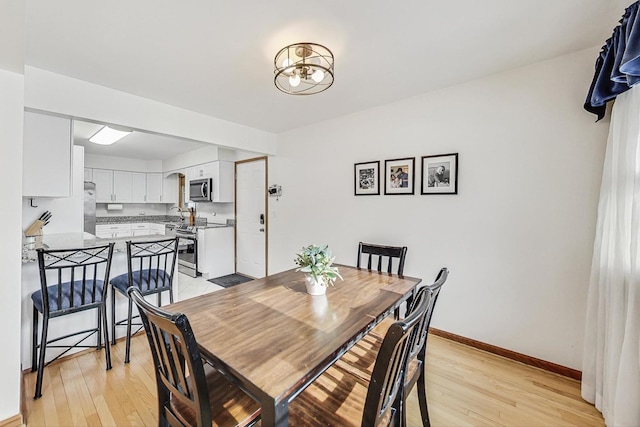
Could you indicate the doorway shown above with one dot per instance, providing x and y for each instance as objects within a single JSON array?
[{"x": 252, "y": 224}]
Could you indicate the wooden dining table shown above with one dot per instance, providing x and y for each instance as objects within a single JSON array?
[{"x": 273, "y": 339}]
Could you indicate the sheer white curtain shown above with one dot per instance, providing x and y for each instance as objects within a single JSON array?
[{"x": 611, "y": 365}]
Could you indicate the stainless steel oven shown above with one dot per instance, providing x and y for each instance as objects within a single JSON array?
[{"x": 187, "y": 248}]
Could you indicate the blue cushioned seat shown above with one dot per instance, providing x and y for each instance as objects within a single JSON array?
[
  {"x": 148, "y": 280},
  {"x": 71, "y": 280},
  {"x": 151, "y": 266},
  {"x": 91, "y": 294}
]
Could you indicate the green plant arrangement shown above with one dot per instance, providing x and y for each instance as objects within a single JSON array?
[{"x": 317, "y": 262}]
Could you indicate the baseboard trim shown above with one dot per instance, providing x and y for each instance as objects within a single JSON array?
[
  {"x": 81, "y": 353},
  {"x": 14, "y": 421},
  {"x": 519, "y": 357}
]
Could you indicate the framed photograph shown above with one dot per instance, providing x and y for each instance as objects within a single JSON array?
[
  {"x": 399, "y": 176},
  {"x": 367, "y": 178},
  {"x": 440, "y": 174}
]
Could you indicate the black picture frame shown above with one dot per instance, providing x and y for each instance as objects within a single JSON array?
[
  {"x": 366, "y": 178},
  {"x": 399, "y": 176},
  {"x": 440, "y": 174}
]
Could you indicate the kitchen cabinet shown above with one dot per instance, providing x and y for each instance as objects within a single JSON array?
[
  {"x": 154, "y": 188},
  {"x": 223, "y": 182},
  {"x": 104, "y": 185},
  {"x": 47, "y": 156},
  {"x": 156, "y": 229},
  {"x": 205, "y": 170},
  {"x": 222, "y": 176},
  {"x": 138, "y": 187},
  {"x": 140, "y": 229},
  {"x": 88, "y": 175},
  {"x": 133, "y": 187},
  {"x": 122, "y": 188},
  {"x": 111, "y": 231},
  {"x": 170, "y": 189},
  {"x": 216, "y": 253}
]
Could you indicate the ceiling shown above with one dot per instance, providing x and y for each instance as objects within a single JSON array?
[
  {"x": 216, "y": 57},
  {"x": 137, "y": 145}
]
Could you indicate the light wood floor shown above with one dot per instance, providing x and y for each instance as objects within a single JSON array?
[{"x": 466, "y": 387}]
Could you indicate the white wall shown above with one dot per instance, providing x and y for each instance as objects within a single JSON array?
[
  {"x": 11, "y": 118},
  {"x": 517, "y": 238},
  {"x": 60, "y": 94},
  {"x": 98, "y": 161},
  {"x": 190, "y": 158}
]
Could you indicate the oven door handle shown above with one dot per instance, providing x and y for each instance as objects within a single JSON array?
[{"x": 186, "y": 236}]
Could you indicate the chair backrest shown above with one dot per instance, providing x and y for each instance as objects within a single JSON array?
[
  {"x": 384, "y": 253},
  {"x": 178, "y": 365},
  {"x": 152, "y": 262},
  {"x": 418, "y": 342},
  {"x": 382, "y": 403},
  {"x": 422, "y": 330},
  {"x": 80, "y": 276}
]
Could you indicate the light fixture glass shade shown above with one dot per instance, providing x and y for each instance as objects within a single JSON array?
[
  {"x": 317, "y": 76},
  {"x": 294, "y": 80},
  {"x": 108, "y": 136},
  {"x": 303, "y": 69}
]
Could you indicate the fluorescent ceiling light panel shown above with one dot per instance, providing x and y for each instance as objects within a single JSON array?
[{"x": 107, "y": 136}]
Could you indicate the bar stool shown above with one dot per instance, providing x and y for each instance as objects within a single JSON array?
[
  {"x": 150, "y": 268},
  {"x": 71, "y": 280}
]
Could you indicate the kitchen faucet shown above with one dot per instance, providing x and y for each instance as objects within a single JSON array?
[{"x": 179, "y": 210}]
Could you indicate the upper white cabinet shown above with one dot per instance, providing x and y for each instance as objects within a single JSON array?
[
  {"x": 122, "y": 188},
  {"x": 170, "y": 189},
  {"x": 131, "y": 187},
  {"x": 223, "y": 182},
  {"x": 205, "y": 170},
  {"x": 104, "y": 185},
  {"x": 221, "y": 174},
  {"x": 47, "y": 156},
  {"x": 88, "y": 174},
  {"x": 139, "y": 187},
  {"x": 154, "y": 188}
]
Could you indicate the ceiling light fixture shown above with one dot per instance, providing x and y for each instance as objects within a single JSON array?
[
  {"x": 303, "y": 69},
  {"x": 108, "y": 136}
]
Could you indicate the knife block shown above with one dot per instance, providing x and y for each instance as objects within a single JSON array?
[{"x": 35, "y": 229}]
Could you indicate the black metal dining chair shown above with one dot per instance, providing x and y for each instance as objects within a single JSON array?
[
  {"x": 336, "y": 399},
  {"x": 189, "y": 393},
  {"x": 361, "y": 358},
  {"x": 150, "y": 268},
  {"x": 71, "y": 281}
]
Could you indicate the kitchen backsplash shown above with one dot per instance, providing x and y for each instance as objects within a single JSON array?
[{"x": 133, "y": 209}]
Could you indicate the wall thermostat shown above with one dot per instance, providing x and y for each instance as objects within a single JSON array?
[{"x": 275, "y": 191}]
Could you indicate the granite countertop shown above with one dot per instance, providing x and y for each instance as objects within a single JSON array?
[
  {"x": 159, "y": 219},
  {"x": 76, "y": 241}
]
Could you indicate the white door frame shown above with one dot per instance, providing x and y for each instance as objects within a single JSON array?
[{"x": 266, "y": 211}]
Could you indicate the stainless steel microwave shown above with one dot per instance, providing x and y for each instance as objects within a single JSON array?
[{"x": 200, "y": 190}]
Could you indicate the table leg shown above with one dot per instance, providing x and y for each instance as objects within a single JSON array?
[{"x": 275, "y": 414}]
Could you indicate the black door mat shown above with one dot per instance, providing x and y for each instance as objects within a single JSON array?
[{"x": 230, "y": 280}]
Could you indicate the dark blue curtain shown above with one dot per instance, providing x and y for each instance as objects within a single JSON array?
[{"x": 618, "y": 65}]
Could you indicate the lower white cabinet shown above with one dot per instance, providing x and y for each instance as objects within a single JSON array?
[
  {"x": 140, "y": 229},
  {"x": 111, "y": 231},
  {"x": 155, "y": 229},
  {"x": 216, "y": 252}
]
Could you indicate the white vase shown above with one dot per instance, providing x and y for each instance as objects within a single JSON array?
[{"x": 315, "y": 287}]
